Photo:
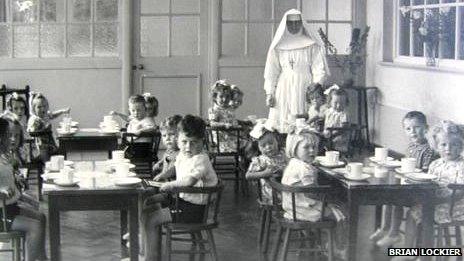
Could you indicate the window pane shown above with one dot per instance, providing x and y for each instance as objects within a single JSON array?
[
  {"x": 282, "y": 6},
  {"x": 417, "y": 2},
  {"x": 405, "y": 2},
  {"x": 185, "y": 35},
  {"x": 314, "y": 27},
  {"x": 79, "y": 10},
  {"x": 5, "y": 31},
  {"x": 337, "y": 13},
  {"x": 432, "y": 2},
  {"x": 314, "y": 10},
  {"x": 79, "y": 40},
  {"x": 49, "y": 10},
  {"x": 25, "y": 41},
  {"x": 154, "y": 6},
  {"x": 233, "y": 9},
  {"x": 154, "y": 36},
  {"x": 24, "y": 11},
  {"x": 448, "y": 1},
  {"x": 448, "y": 38},
  {"x": 186, "y": 6},
  {"x": 260, "y": 9},
  {"x": 461, "y": 32},
  {"x": 233, "y": 39},
  {"x": 106, "y": 39},
  {"x": 51, "y": 40},
  {"x": 259, "y": 39},
  {"x": 418, "y": 45},
  {"x": 340, "y": 36},
  {"x": 107, "y": 10},
  {"x": 404, "y": 33}
]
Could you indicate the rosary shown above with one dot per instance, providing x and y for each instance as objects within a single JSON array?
[{"x": 291, "y": 62}]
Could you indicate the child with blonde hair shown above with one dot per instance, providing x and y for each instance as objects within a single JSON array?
[
  {"x": 169, "y": 134},
  {"x": 336, "y": 116}
]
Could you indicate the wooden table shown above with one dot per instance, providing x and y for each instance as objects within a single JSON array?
[
  {"x": 381, "y": 191},
  {"x": 89, "y": 140},
  {"x": 109, "y": 198}
]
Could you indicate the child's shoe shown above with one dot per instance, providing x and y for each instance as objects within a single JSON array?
[
  {"x": 388, "y": 241},
  {"x": 378, "y": 234}
]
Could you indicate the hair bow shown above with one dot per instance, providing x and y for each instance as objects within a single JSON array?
[
  {"x": 146, "y": 95},
  {"x": 261, "y": 127},
  {"x": 299, "y": 127},
  {"x": 333, "y": 87}
]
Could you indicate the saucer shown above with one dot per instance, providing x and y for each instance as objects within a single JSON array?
[
  {"x": 127, "y": 182},
  {"x": 72, "y": 123},
  {"x": 374, "y": 159},
  {"x": 62, "y": 132},
  {"x": 128, "y": 174},
  {"x": 363, "y": 176},
  {"x": 118, "y": 161},
  {"x": 49, "y": 176},
  {"x": 400, "y": 171},
  {"x": 342, "y": 171},
  {"x": 331, "y": 165},
  {"x": 390, "y": 163},
  {"x": 421, "y": 176},
  {"x": 65, "y": 183},
  {"x": 109, "y": 131}
]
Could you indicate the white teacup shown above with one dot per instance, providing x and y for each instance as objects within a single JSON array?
[
  {"x": 354, "y": 169},
  {"x": 122, "y": 169},
  {"x": 332, "y": 157},
  {"x": 67, "y": 175},
  {"x": 117, "y": 154},
  {"x": 380, "y": 172},
  {"x": 408, "y": 165},
  {"x": 56, "y": 162},
  {"x": 108, "y": 118},
  {"x": 381, "y": 154}
]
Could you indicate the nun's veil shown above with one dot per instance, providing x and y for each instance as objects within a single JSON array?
[{"x": 306, "y": 31}]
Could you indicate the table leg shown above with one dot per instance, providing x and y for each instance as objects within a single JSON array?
[
  {"x": 123, "y": 229},
  {"x": 428, "y": 211},
  {"x": 352, "y": 220},
  {"x": 54, "y": 230},
  {"x": 134, "y": 229}
]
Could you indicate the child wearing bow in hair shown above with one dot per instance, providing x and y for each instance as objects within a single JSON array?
[
  {"x": 336, "y": 116},
  {"x": 40, "y": 121},
  {"x": 271, "y": 159}
]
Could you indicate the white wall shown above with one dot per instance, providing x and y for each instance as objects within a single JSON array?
[{"x": 435, "y": 91}]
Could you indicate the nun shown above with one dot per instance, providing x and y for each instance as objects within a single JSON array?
[{"x": 295, "y": 60}]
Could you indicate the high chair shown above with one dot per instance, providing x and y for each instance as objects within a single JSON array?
[
  {"x": 142, "y": 153},
  {"x": 287, "y": 227},
  {"x": 16, "y": 238},
  {"x": 5, "y": 91}
]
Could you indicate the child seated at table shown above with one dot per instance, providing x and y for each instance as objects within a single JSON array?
[
  {"x": 168, "y": 129},
  {"x": 336, "y": 116},
  {"x": 24, "y": 218},
  {"x": 139, "y": 121},
  {"x": 446, "y": 138},
  {"x": 415, "y": 127},
  {"x": 271, "y": 161},
  {"x": 151, "y": 105},
  {"x": 192, "y": 168},
  {"x": 40, "y": 121},
  {"x": 317, "y": 107}
]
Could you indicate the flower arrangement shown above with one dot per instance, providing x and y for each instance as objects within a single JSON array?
[{"x": 354, "y": 61}]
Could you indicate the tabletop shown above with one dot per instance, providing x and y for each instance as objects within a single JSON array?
[{"x": 89, "y": 133}]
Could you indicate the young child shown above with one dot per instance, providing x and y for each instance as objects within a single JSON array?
[
  {"x": 317, "y": 107},
  {"x": 169, "y": 133},
  {"x": 337, "y": 116},
  {"x": 28, "y": 220},
  {"x": 192, "y": 168},
  {"x": 415, "y": 127},
  {"x": 16, "y": 108},
  {"x": 270, "y": 162},
  {"x": 139, "y": 122},
  {"x": 40, "y": 121},
  {"x": 152, "y": 105},
  {"x": 236, "y": 99},
  {"x": 446, "y": 138}
]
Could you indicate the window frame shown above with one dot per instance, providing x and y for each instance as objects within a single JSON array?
[{"x": 420, "y": 60}]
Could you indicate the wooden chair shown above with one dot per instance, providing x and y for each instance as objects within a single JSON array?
[
  {"x": 4, "y": 92},
  {"x": 142, "y": 153},
  {"x": 35, "y": 167},
  {"x": 289, "y": 226},
  {"x": 227, "y": 163},
  {"x": 195, "y": 230},
  {"x": 444, "y": 236},
  {"x": 7, "y": 235}
]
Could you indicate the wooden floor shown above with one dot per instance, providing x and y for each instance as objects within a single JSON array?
[{"x": 95, "y": 235}]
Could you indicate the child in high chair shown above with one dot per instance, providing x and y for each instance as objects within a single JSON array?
[
  {"x": 139, "y": 122},
  {"x": 40, "y": 121},
  {"x": 271, "y": 161},
  {"x": 236, "y": 99},
  {"x": 415, "y": 127},
  {"x": 151, "y": 105},
  {"x": 191, "y": 169},
  {"x": 446, "y": 138},
  {"x": 16, "y": 108},
  {"x": 336, "y": 116},
  {"x": 168, "y": 129}
]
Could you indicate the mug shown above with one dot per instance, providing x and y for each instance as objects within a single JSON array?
[
  {"x": 117, "y": 154},
  {"x": 381, "y": 154},
  {"x": 332, "y": 156},
  {"x": 380, "y": 172},
  {"x": 354, "y": 169},
  {"x": 56, "y": 162},
  {"x": 108, "y": 118},
  {"x": 122, "y": 169},
  {"x": 408, "y": 165},
  {"x": 67, "y": 175}
]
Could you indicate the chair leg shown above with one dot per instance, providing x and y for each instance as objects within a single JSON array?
[
  {"x": 168, "y": 245},
  {"x": 267, "y": 230},
  {"x": 212, "y": 245},
  {"x": 201, "y": 245},
  {"x": 283, "y": 256},
  {"x": 193, "y": 247},
  {"x": 330, "y": 236},
  {"x": 439, "y": 242},
  {"x": 275, "y": 250},
  {"x": 262, "y": 221}
]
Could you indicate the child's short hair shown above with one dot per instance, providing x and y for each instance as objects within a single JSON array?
[
  {"x": 170, "y": 123},
  {"x": 448, "y": 128},
  {"x": 419, "y": 116},
  {"x": 192, "y": 126},
  {"x": 314, "y": 91},
  {"x": 221, "y": 86},
  {"x": 293, "y": 140},
  {"x": 338, "y": 92},
  {"x": 152, "y": 100},
  {"x": 136, "y": 99},
  {"x": 14, "y": 97}
]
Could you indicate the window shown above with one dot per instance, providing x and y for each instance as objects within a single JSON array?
[
  {"x": 413, "y": 32},
  {"x": 58, "y": 28},
  {"x": 249, "y": 25}
]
